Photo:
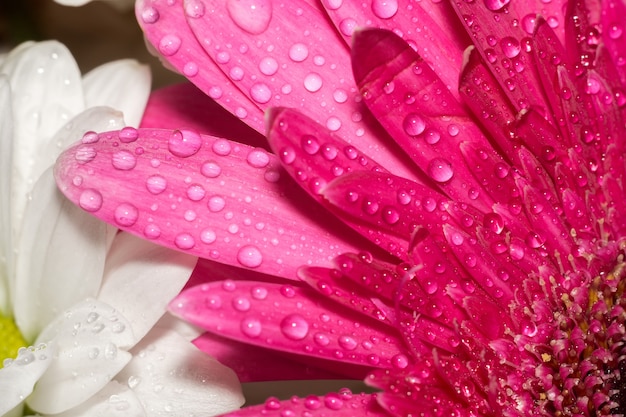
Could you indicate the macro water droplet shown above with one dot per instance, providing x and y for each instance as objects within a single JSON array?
[
  {"x": 150, "y": 15},
  {"x": 250, "y": 256},
  {"x": 440, "y": 170},
  {"x": 191, "y": 70},
  {"x": 268, "y": 66},
  {"x": 211, "y": 169},
  {"x": 494, "y": 222},
  {"x": 287, "y": 155},
  {"x": 495, "y": 5},
  {"x": 152, "y": 231},
  {"x": 169, "y": 45},
  {"x": 184, "y": 143},
  {"x": 298, "y": 52},
  {"x": 413, "y": 124},
  {"x": 85, "y": 154},
  {"x": 126, "y": 214},
  {"x": 124, "y": 160},
  {"x": 241, "y": 303},
  {"x": 194, "y": 8},
  {"x": 510, "y": 46},
  {"x": 294, "y": 327},
  {"x": 261, "y": 93},
  {"x": 251, "y": 327},
  {"x": 258, "y": 158},
  {"x": 385, "y": 9},
  {"x": 208, "y": 236},
  {"x": 259, "y": 293},
  {"x": 216, "y": 203},
  {"x": 400, "y": 361},
  {"x": 156, "y": 184},
  {"x": 184, "y": 241},
  {"x": 90, "y": 200},
  {"x": 347, "y": 26},
  {"x": 195, "y": 192},
  {"x": 333, "y": 402},
  {"x": 313, "y": 82},
  {"x": 253, "y": 16},
  {"x": 347, "y": 342},
  {"x": 127, "y": 135},
  {"x": 391, "y": 215}
]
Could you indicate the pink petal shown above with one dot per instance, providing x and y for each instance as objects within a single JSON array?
[
  {"x": 342, "y": 404},
  {"x": 502, "y": 39},
  {"x": 165, "y": 27},
  {"x": 207, "y": 196},
  {"x": 480, "y": 91},
  {"x": 185, "y": 105},
  {"x": 436, "y": 36},
  {"x": 252, "y": 363},
  {"x": 289, "y": 319},
  {"x": 613, "y": 37},
  {"x": 413, "y": 105},
  {"x": 283, "y": 65}
]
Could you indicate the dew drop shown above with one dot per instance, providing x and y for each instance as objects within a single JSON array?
[
  {"x": 156, "y": 184},
  {"x": 90, "y": 137},
  {"x": 126, "y": 214},
  {"x": 85, "y": 154},
  {"x": 150, "y": 15},
  {"x": 510, "y": 47},
  {"x": 309, "y": 144},
  {"x": 347, "y": 26},
  {"x": 313, "y": 82},
  {"x": 294, "y": 327},
  {"x": 251, "y": 327},
  {"x": 196, "y": 192},
  {"x": 208, "y": 236},
  {"x": 241, "y": 303},
  {"x": 268, "y": 66},
  {"x": 184, "y": 241},
  {"x": 253, "y": 16},
  {"x": 385, "y": 9},
  {"x": 128, "y": 135},
  {"x": 124, "y": 160},
  {"x": 210, "y": 169},
  {"x": 184, "y": 143},
  {"x": 191, "y": 70},
  {"x": 413, "y": 124},
  {"x": 261, "y": 93},
  {"x": 250, "y": 256},
  {"x": 194, "y": 8},
  {"x": 321, "y": 339},
  {"x": 258, "y": 158},
  {"x": 152, "y": 231},
  {"x": 287, "y": 155},
  {"x": 298, "y": 52},
  {"x": 400, "y": 361},
  {"x": 169, "y": 45},
  {"x": 90, "y": 200},
  {"x": 216, "y": 204},
  {"x": 440, "y": 170},
  {"x": 495, "y": 5},
  {"x": 347, "y": 342}
]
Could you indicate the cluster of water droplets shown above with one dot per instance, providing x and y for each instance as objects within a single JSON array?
[{"x": 288, "y": 318}]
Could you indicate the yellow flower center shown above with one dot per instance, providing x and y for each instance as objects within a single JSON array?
[{"x": 10, "y": 339}]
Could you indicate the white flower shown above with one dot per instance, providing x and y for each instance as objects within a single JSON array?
[{"x": 87, "y": 298}]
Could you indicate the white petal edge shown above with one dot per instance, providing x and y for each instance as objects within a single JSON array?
[
  {"x": 114, "y": 400},
  {"x": 6, "y": 170},
  {"x": 98, "y": 119},
  {"x": 141, "y": 278},
  {"x": 18, "y": 378},
  {"x": 123, "y": 85},
  {"x": 91, "y": 339},
  {"x": 60, "y": 258},
  {"x": 173, "y": 378},
  {"x": 46, "y": 93}
]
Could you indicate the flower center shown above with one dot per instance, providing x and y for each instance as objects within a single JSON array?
[
  {"x": 588, "y": 352},
  {"x": 10, "y": 339}
]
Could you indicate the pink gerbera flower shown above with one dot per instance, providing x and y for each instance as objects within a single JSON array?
[{"x": 487, "y": 275}]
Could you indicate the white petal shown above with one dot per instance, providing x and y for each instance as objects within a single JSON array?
[
  {"x": 18, "y": 377},
  {"x": 47, "y": 92},
  {"x": 89, "y": 338},
  {"x": 114, "y": 400},
  {"x": 60, "y": 258},
  {"x": 172, "y": 378},
  {"x": 141, "y": 278},
  {"x": 6, "y": 146},
  {"x": 98, "y": 119},
  {"x": 123, "y": 85}
]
